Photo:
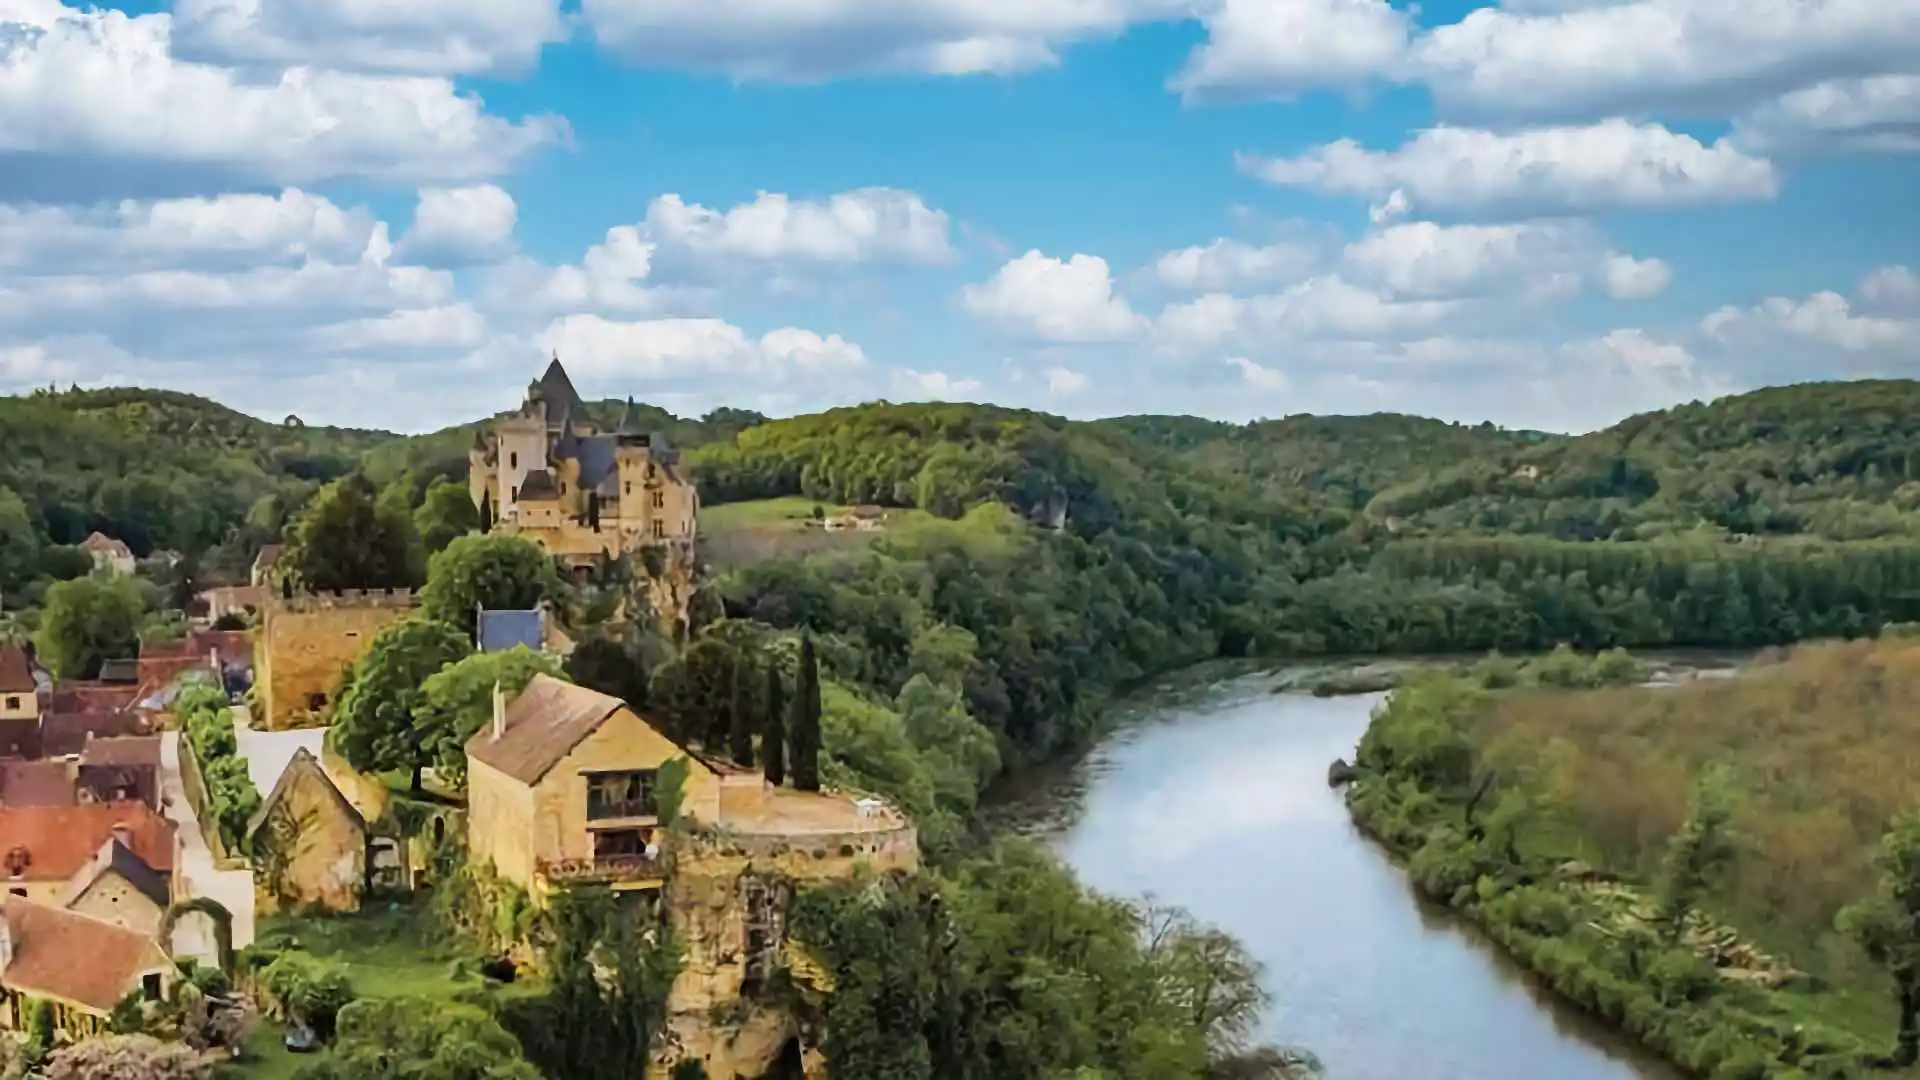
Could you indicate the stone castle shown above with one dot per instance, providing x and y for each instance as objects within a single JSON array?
[{"x": 548, "y": 474}]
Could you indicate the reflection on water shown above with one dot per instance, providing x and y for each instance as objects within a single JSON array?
[{"x": 1219, "y": 803}]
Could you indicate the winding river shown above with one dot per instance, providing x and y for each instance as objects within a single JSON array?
[{"x": 1215, "y": 798}]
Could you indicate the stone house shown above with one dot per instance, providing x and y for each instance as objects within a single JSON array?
[
  {"x": 118, "y": 886},
  {"x": 19, "y": 691},
  {"x": 306, "y": 642},
  {"x": 109, "y": 555},
  {"x": 563, "y": 789},
  {"x": 45, "y": 849},
  {"x": 80, "y": 966},
  {"x": 312, "y": 842}
]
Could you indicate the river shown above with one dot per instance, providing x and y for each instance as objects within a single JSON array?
[{"x": 1215, "y": 798}]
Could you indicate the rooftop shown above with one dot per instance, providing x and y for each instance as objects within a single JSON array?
[
  {"x": 56, "y": 841},
  {"x": 46, "y": 941},
  {"x": 16, "y": 674},
  {"x": 502, "y": 630},
  {"x": 115, "y": 857},
  {"x": 543, "y": 725},
  {"x": 36, "y": 783},
  {"x": 784, "y": 811}
]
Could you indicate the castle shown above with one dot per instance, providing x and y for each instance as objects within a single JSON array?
[{"x": 548, "y": 474}]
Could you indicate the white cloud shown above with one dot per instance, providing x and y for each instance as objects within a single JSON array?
[
  {"x": 1258, "y": 47},
  {"x": 1876, "y": 115},
  {"x": 172, "y": 233},
  {"x": 1260, "y": 377},
  {"x": 679, "y": 350},
  {"x": 1893, "y": 287},
  {"x": 1624, "y": 277},
  {"x": 1422, "y": 258},
  {"x": 1226, "y": 263},
  {"x": 461, "y": 223},
  {"x": 1323, "y": 308},
  {"x": 445, "y": 326},
  {"x": 1531, "y": 173},
  {"x": 103, "y": 83},
  {"x": 1050, "y": 300},
  {"x": 932, "y": 385},
  {"x": 1698, "y": 57},
  {"x": 1064, "y": 381},
  {"x": 872, "y": 224},
  {"x": 438, "y": 37},
  {"x": 805, "y": 40},
  {"x": 1825, "y": 318},
  {"x": 612, "y": 276}
]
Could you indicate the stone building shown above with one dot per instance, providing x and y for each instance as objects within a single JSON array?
[
  {"x": 19, "y": 691},
  {"x": 78, "y": 965},
  {"x": 108, "y": 554},
  {"x": 562, "y": 790},
  {"x": 45, "y": 850},
  {"x": 320, "y": 839},
  {"x": 547, "y": 473},
  {"x": 308, "y": 641}
]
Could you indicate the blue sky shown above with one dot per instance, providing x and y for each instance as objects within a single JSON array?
[{"x": 1547, "y": 213}]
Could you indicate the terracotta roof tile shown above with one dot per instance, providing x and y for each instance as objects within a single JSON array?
[
  {"x": 36, "y": 783},
  {"x": 122, "y": 750},
  {"x": 92, "y": 697},
  {"x": 67, "y": 733},
  {"x": 544, "y": 724},
  {"x": 47, "y": 941},
  {"x": 16, "y": 675},
  {"x": 58, "y": 841}
]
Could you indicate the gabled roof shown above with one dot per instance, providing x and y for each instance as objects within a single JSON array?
[
  {"x": 36, "y": 783},
  {"x": 115, "y": 857},
  {"x": 302, "y": 764},
  {"x": 502, "y": 630},
  {"x": 16, "y": 674},
  {"x": 547, "y": 721},
  {"x": 58, "y": 840},
  {"x": 66, "y": 733},
  {"x": 47, "y": 942},
  {"x": 539, "y": 484}
]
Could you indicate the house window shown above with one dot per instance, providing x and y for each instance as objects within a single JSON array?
[
  {"x": 620, "y": 795},
  {"x": 150, "y": 985},
  {"x": 13, "y": 703},
  {"x": 629, "y": 487},
  {"x": 659, "y": 500},
  {"x": 659, "y": 529},
  {"x": 316, "y": 702},
  {"x": 619, "y": 843},
  {"x": 513, "y": 461},
  {"x": 18, "y": 891},
  {"x": 649, "y": 470}
]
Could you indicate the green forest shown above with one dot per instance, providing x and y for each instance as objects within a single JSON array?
[{"x": 1050, "y": 565}]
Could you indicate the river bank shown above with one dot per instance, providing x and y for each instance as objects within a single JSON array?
[{"x": 1209, "y": 793}]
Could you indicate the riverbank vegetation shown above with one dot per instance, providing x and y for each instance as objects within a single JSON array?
[{"x": 1708, "y": 865}]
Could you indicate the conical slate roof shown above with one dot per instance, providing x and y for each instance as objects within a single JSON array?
[{"x": 558, "y": 392}]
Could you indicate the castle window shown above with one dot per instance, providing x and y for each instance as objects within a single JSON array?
[
  {"x": 659, "y": 529},
  {"x": 513, "y": 461},
  {"x": 13, "y": 703},
  {"x": 659, "y": 500},
  {"x": 649, "y": 470},
  {"x": 629, "y": 487},
  {"x": 150, "y": 985}
]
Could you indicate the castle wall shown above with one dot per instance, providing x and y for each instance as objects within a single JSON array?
[{"x": 308, "y": 642}]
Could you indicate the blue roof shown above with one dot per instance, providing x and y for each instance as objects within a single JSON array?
[{"x": 502, "y": 630}]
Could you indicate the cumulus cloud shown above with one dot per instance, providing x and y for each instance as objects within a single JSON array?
[
  {"x": 1260, "y": 48},
  {"x": 1893, "y": 287},
  {"x": 1624, "y": 277},
  {"x": 932, "y": 385},
  {"x": 1422, "y": 258},
  {"x": 461, "y": 224},
  {"x": 1047, "y": 299},
  {"x": 234, "y": 229},
  {"x": 613, "y": 276},
  {"x": 1321, "y": 308},
  {"x": 1660, "y": 56},
  {"x": 1825, "y": 318},
  {"x": 677, "y": 350},
  {"x": 445, "y": 326},
  {"x": 1571, "y": 171},
  {"x": 1063, "y": 381},
  {"x": 1876, "y": 115},
  {"x": 1259, "y": 376},
  {"x": 1227, "y": 263},
  {"x": 818, "y": 39},
  {"x": 83, "y": 84},
  {"x": 437, "y": 37},
  {"x": 871, "y": 224}
]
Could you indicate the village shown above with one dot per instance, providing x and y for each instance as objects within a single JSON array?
[{"x": 176, "y": 827}]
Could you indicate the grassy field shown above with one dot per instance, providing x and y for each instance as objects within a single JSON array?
[
  {"x": 1824, "y": 749},
  {"x": 738, "y": 534},
  {"x": 389, "y": 953}
]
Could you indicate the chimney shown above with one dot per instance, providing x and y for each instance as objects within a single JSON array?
[{"x": 499, "y": 711}]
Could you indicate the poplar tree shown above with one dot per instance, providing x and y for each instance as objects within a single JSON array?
[
  {"x": 806, "y": 721},
  {"x": 773, "y": 739}
]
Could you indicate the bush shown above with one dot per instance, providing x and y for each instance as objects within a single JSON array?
[{"x": 300, "y": 988}]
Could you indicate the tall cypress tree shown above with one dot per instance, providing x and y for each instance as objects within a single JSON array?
[
  {"x": 773, "y": 738},
  {"x": 806, "y": 721},
  {"x": 743, "y": 715},
  {"x": 486, "y": 511}
]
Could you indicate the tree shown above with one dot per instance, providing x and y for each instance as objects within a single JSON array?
[
  {"x": 605, "y": 664},
  {"x": 418, "y": 1039},
  {"x": 805, "y": 725},
  {"x": 457, "y": 701},
  {"x": 445, "y": 514},
  {"x": 1698, "y": 852},
  {"x": 609, "y": 973},
  {"x": 19, "y": 542},
  {"x": 744, "y": 713},
  {"x": 348, "y": 537},
  {"x": 125, "y": 1057},
  {"x": 376, "y": 726},
  {"x": 486, "y": 511},
  {"x": 495, "y": 571},
  {"x": 1886, "y": 925},
  {"x": 87, "y": 621},
  {"x": 773, "y": 738}
]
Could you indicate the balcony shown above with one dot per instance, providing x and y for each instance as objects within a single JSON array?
[{"x": 603, "y": 869}]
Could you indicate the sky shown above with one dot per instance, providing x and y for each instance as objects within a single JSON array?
[{"x": 1542, "y": 213}]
